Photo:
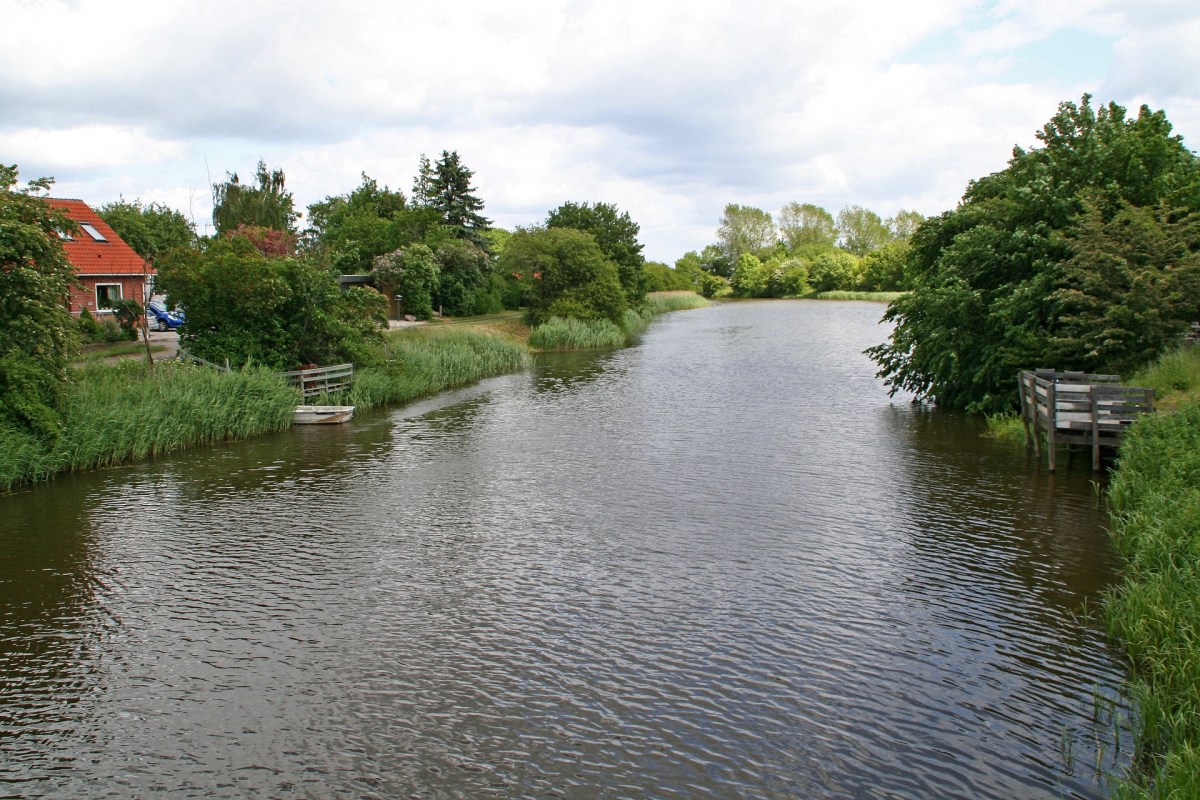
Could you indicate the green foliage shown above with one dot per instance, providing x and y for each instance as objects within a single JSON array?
[
  {"x": 658, "y": 277},
  {"x": 751, "y": 278},
  {"x": 570, "y": 275},
  {"x": 37, "y": 333},
  {"x": 1005, "y": 281},
  {"x": 117, "y": 413},
  {"x": 412, "y": 273},
  {"x": 1155, "y": 611},
  {"x": 1174, "y": 371},
  {"x": 464, "y": 270},
  {"x": 450, "y": 193},
  {"x": 148, "y": 229},
  {"x": 421, "y": 362},
  {"x": 806, "y": 225},
  {"x": 572, "y": 333},
  {"x": 663, "y": 302},
  {"x": 368, "y": 222},
  {"x": 904, "y": 224},
  {"x": 792, "y": 277},
  {"x": 130, "y": 315},
  {"x": 861, "y": 230},
  {"x": 710, "y": 285},
  {"x": 885, "y": 269},
  {"x": 278, "y": 312},
  {"x": 835, "y": 270},
  {"x": 616, "y": 234},
  {"x": 89, "y": 328},
  {"x": 267, "y": 204},
  {"x": 744, "y": 229},
  {"x": 1130, "y": 289}
]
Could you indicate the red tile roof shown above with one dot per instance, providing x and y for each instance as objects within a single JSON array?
[{"x": 90, "y": 257}]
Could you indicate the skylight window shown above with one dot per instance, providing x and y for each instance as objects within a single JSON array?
[{"x": 91, "y": 231}]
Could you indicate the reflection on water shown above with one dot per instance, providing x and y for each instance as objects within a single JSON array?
[{"x": 721, "y": 563}]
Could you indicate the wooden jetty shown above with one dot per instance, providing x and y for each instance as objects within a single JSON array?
[
  {"x": 314, "y": 381},
  {"x": 1077, "y": 408}
]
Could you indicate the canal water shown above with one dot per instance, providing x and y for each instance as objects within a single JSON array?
[{"x": 719, "y": 563}]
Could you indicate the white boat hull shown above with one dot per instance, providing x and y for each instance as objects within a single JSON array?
[{"x": 322, "y": 415}]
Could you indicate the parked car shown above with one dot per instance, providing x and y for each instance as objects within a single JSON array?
[{"x": 161, "y": 319}]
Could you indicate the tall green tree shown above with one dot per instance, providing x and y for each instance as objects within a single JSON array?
[
  {"x": 148, "y": 229},
  {"x": 451, "y": 194},
  {"x": 36, "y": 330},
  {"x": 904, "y": 224},
  {"x": 354, "y": 228},
  {"x": 570, "y": 276},
  {"x": 616, "y": 234},
  {"x": 860, "y": 230},
  {"x": 806, "y": 225},
  {"x": 988, "y": 277},
  {"x": 745, "y": 229},
  {"x": 266, "y": 203},
  {"x": 1130, "y": 289}
]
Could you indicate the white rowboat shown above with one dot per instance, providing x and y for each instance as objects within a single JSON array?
[{"x": 321, "y": 415}]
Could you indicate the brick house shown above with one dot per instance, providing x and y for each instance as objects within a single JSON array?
[{"x": 106, "y": 268}]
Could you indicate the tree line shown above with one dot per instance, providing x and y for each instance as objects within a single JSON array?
[{"x": 804, "y": 249}]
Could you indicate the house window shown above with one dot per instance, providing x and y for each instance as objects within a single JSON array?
[
  {"x": 91, "y": 231},
  {"x": 107, "y": 294}
]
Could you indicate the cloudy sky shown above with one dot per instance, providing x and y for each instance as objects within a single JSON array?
[{"x": 668, "y": 108}]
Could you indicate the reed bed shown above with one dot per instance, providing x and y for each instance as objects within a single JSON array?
[
  {"x": 424, "y": 361},
  {"x": 575, "y": 334},
  {"x": 1155, "y": 611},
  {"x": 879, "y": 297},
  {"x": 124, "y": 412},
  {"x": 662, "y": 302},
  {"x": 559, "y": 333}
]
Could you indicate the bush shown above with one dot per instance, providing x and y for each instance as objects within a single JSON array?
[{"x": 89, "y": 328}]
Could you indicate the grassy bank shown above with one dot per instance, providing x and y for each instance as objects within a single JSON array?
[
  {"x": 1154, "y": 612},
  {"x": 429, "y": 359},
  {"x": 878, "y": 297},
  {"x": 575, "y": 334},
  {"x": 126, "y": 412}
]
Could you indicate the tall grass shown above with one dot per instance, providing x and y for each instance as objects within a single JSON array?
[
  {"x": 1155, "y": 611},
  {"x": 1175, "y": 376},
  {"x": 424, "y": 361},
  {"x": 882, "y": 297},
  {"x": 575, "y": 334},
  {"x": 662, "y": 302},
  {"x": 559, "y": 333},
  {"x": 124, "y": 412}
]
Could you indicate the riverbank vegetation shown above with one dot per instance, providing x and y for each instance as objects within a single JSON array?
[
  {"x": 115, "y": 413},
  {"x": 1083, "y": 253},
  {"x": 1154, "y": 612}
]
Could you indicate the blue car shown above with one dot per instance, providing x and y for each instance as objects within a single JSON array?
[{"x": 161, "y": 319}]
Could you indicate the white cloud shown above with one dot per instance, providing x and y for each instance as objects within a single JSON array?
[{"x": 668, "y": 109}]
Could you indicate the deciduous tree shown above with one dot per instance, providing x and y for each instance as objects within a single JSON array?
[
  {"x": 860, "y": 230},
  {"x": 745, "y": 229},
  {"x": 616, "y": 234},
  {"x": 266, "y": 204},
  {"x": 806, "y": 225},
  {"x": 570, "y": 277},
  {"x": 994, "y": 280},
  {"x": 148, "y": 229},
  {"x": 36, "y": 330}
]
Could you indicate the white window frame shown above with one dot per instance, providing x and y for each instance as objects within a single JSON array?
[
  {"x": 120, "y": 295},
  {"x": 92, "y": 231}
]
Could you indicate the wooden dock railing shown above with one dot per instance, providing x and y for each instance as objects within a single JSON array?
[
  {"x": 1077, "y": 408},
  {"x": 315, "y": 381}
]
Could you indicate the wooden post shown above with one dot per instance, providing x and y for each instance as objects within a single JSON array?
[
  {"x": 1024, "y": 408},
  {"x": 1092, "y": 394},
  {"x": 1051, "y": 422}
]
